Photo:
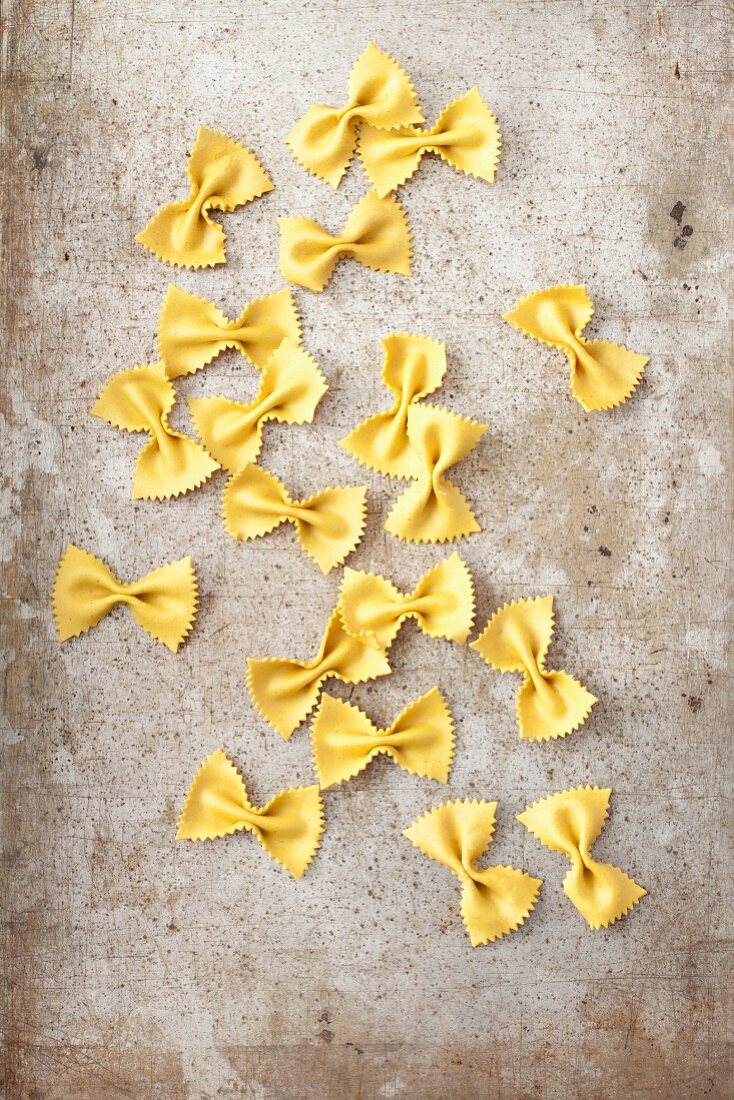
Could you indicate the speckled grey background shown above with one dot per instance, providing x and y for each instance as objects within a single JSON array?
[{"x": 136, "y": 967}]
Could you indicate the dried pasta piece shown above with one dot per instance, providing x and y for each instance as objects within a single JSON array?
[
  {"x": 494, "y": 900},
  {"x": 376, "y": 234},
  {"x": 162, "y": 602},
  {"x": 516, "y": 639},
  {"x": 380, "y": 93},
  {"x": 465, "y": 135},
  {"x": 414, "y": 366},
  {"x": 192, "y": 331},
  {"x": 569, "y": 822},
  {"x": 289, "y": 827},
  {"x": 286, "y": 691},
  {"x": 223, "y": 175},
  {"x": 420, "y": 740},
  {"x": 292, "y": 386},
  {"x": 433, "y": 509},
  {"x": 328, "y": 525},
  {"x": 442, "y": 604},
  {"x": 139, "y": 400},
  {"x": 602, "y": 374}
]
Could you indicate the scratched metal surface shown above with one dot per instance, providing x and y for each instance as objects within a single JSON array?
[{"x": 138, "y": 968}]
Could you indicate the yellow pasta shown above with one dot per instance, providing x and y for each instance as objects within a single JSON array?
[
  {"x": 289, "y": 827},
  {"x": 223, "y": 175},
  {"x": 602, "y": 374},
  {"x": 286, "y": 691},
  {"x": 516, "y": 639},
  {"x": 433, "y": 509},
  {"x": 569, "y": 822},
  {"x": 414, "y": 367},
  {"x": 494, "y": 900},
  {"x": 380, "y": 93},
  {"x": 465, "y": 135},
  {"x": 139, "y": 400},
  {"x": 442, "y": 604},
  {"x": 85, "y": 590},
  {"x": 420, "y": 740},
  {"x": 192, "y": 331},
  {"x": 329, "y": 524},
  {"x": 290, "y": 389},
  {"x": 376, "y": 234}
]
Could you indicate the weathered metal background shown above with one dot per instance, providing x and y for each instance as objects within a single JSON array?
[{"x": 135, "y": 967}]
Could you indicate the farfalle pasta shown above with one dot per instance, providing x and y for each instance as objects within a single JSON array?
[
  {"x": 516, "y": 639},
  {"x": 85, "y": 590},
  {"x": 289, "y": 827},
  {"x": 414, "y": 367},
  {"x": 602, "y": 374},
  {"x": 139, "y": 400},
  {"x": 223, "y": 175},
  {"x": 494, "y": 900},
  {"x": 442, "y": 603},
  {"x": 376, "y": 234},
  {"x": 192, "y": 331},
  {"x": 290, "y": 389},
  {"x": 286, "y": 691},
  {"x": 380, "y": 93},
  {"x": 329, "y": 524},
  {"x": 420, "y": 740},
  {"x": 433, "y": 509},
  {"x": 465, "y": 135},
  {"x": 569, "y": 822}
]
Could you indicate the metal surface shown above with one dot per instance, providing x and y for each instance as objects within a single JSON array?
[{"x": 136, "y": 967}]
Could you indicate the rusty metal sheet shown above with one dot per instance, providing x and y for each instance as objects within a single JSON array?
[{"x": 134, "y": 967}]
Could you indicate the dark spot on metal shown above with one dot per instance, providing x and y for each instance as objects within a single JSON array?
[
  {"x": 695, "y": 702},
  {"x": 605, "y": 551},
  {"x": 681, "y": 240},
  {"x": 40, "y": 159},
  {"x": 678, "y": 211},
  {"x": 676, "y": 70}
]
